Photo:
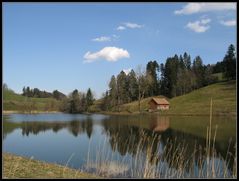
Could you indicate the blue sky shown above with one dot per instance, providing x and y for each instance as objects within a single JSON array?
[{"x": 67, "y": 46}]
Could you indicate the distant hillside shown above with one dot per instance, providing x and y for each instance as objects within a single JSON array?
[
  {"x": 194, "y": 103},
  {"x": 197, "y": 102},
  {"x": 16, "y": 102}
]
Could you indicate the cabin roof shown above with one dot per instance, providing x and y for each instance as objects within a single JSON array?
[{"x": 160, "y": 100}]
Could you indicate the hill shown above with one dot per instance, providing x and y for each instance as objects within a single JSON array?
[
  {"x": 196, "y": 102},
  {"x": 16, "y": 102}
]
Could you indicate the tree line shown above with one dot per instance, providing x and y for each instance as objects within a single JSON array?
[
  {"x": 77, "y": 102},
  {"x": 228, "y": 65},
  {"x": 35, "y": 92},
  {"x": 178, "y": 76}
]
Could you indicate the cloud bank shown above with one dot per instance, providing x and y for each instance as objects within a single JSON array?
[
  {"x": 229, "y": 23},
  {"x": 192, "y": 8}
]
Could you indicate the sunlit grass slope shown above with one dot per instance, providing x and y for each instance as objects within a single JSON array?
[
  {"x": 16, "y": 102},
  {"x": 20, "y": 167},
  {"x": 196, "y": 102}
]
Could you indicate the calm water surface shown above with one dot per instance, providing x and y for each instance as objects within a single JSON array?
[{"x": 120, "y": 144}]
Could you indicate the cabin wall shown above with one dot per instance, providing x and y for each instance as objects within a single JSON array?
[
  {"x": 154, "y": 106},
  {"x": 164, "y": 107}
]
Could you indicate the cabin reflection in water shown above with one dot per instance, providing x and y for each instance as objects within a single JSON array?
[{"x": 159, "y": 124}]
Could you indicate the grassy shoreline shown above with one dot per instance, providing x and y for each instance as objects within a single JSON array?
[
  {"x": 20, "y": 167},
  {"x": 165, "y": 113},
  {"x": 123, "y": 113},
  {"x": 32, "y": 112},
  {"x": 195, "y": 103}
]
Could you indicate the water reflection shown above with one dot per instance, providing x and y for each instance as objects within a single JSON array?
[
  {"x": 75, "y": 127},
  {"x": 159, "y": 124},
  {"x": 172, "y": 146},
  {"x": 150, "y": 136}
]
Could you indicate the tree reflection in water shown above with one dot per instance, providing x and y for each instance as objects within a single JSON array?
[
  {"x": 154, "y": 146},
  {"x": 159, "y": 145},
  {"x": 75, "y": 127}
]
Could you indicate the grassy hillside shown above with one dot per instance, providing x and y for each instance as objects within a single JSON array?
[
  {"x": 223, "y": 95},
  {"x": 16, "y": 102},
  {"x": 197, "y": 102}
]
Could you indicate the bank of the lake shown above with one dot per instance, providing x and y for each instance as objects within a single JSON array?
[
  {"x": 195, "y": 103},
  {"x": 5, "y": 112},
  {"x": 19, "y": 167}
]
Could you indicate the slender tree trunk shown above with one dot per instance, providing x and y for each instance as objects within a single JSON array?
[
  {"x": 139, "y": 102},
  {"x": 139, "y": 99}
]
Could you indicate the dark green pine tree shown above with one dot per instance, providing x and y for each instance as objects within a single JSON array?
[
  {"x": 152, "y": 69},
  {"x": 28, "y": 92},
  {"x": 199, "y": 71},
  {"x": 113, "y": 93},
  {"x": 132, "y": 86},
  {"x": 187, "y": 60},
  {"x": 74, "y": 102},
  {"x": 89, "y": 98},
  {"x": 24, "y": 91},
  {"x": 122, "y": 88},
  {"x": 230, "y": 63}
]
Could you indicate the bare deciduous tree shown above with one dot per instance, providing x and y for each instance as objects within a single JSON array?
[{"x": 143, "y": 82}]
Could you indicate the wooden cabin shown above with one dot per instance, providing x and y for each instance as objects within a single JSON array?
[{"x": 158, "y": 104}]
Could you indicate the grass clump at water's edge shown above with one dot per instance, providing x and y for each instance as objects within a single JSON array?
[
  {"x": 20, "y": 167},
  {"x": 184, "y": 159}
]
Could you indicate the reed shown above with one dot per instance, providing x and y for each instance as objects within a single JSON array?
[{"x": 172, "y": 162}]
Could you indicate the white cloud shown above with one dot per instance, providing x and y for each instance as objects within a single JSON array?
[
  {"x": 129, "y": 25},
  {"x": 121, "y": 28},
  {"x": 229, "y": 23},
  {"x": 205, "y": 21},
  {"x": 133, "y": 25},
  {"x": 115, "y": 37},
  {"x": 102, "y": 39},
  {"x": 127, "y": 71},
  {"x": 110, "y": 54},
  {"x": 192, "y": 8},
  {"x": 199, "y": 26},
  {"x": 106, "y": 38}
]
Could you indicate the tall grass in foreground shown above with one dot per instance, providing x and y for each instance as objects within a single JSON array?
[{"x": 152, "y": 160}]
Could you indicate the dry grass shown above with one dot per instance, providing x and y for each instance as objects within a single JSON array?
[
  {"x": 174, "y": 161},
  {"x": 20, "y": 167},
  {"x": 193, "y": 103}
]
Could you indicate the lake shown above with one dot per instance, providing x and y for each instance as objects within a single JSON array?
[{"x": 139, "y": 146}]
